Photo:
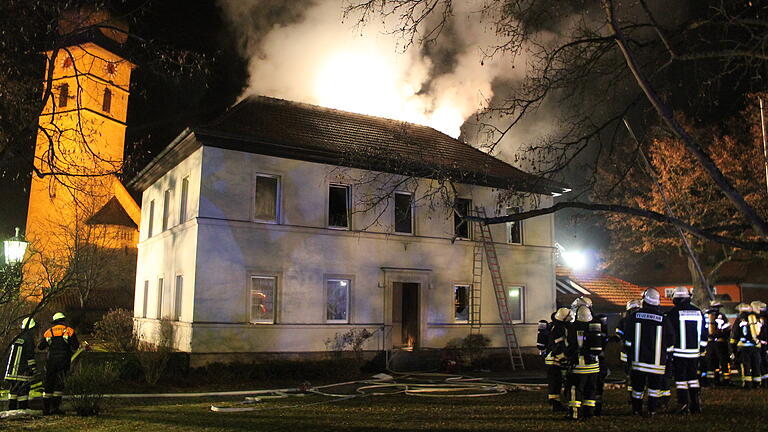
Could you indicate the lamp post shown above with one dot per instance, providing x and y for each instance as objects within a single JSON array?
[{"x": 15, "y": 248}]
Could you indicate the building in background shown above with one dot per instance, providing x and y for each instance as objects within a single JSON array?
[{"x": 267, "y": 232}]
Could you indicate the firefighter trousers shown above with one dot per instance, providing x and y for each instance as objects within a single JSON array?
[
  {"x": 687, "y": 382},
  {"x": 53, "y": 384},
  {"x": 749, "y": 358},
  {"x": 18, "y": 393},
  {"x": 583, "y": 394},
  {"x": 554, "y": 382},
  {"x": 640, "y": 380},
  {"x": 717, "y": 361}
]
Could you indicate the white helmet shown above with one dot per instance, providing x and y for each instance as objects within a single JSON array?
[
  {"x": 743, "y": 307},
  {"x": 757, "y": 306},
  {"x": 651, "y": 296},
  {"x": 583, "y": 314},
  {"x": 563, "y": 314},
  {"x": 681, "y": 292},
  {"x": 581, "y": 301},
  {"x": 27, "y": 323},
  {"x": 634, "y": 304}
]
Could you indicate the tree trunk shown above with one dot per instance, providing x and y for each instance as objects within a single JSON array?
[{"x": 700, "y": 295}]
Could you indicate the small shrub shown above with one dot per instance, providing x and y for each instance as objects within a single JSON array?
[
  {"x": 354, "y": 339},
  {"x": 154, "y": 357},
  {"x": 86, "y": 384},
  {"x": 116, "y": 331}
]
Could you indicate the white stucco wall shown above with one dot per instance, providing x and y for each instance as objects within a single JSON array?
[{"x": 220, "y": 247}]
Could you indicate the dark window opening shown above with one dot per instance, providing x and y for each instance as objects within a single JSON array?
[
  {"x": 106, "y": 104},
  {"x": 338, "y": 206},
  {"x": 461, "y": 302},
  {"x": 63, "y": 95},
  {"x": 403, "y": 213},
  {"x": 514, "y": 229},
  {"x": 266, "y": 199},
  {"x": 461, "y": 225}
]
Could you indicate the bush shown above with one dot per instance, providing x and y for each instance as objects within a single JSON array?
[
  {"x": 116, "y": 331},
  {"x": 86, "y": 384},
  {"x": 473, "y": 347},
  {"x": 354, "y": 339},
  {"x": 154, "y": 357}
]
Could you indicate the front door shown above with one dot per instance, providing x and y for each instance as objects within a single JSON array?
[{"x": 405, "y": 314}]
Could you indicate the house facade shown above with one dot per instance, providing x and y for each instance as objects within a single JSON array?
[{"x": 261, "y": 234}]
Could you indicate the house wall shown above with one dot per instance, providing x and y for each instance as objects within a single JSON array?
[{"x": 302, "y": 252}]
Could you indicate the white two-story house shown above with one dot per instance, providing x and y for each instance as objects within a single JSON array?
[{"x": 273, "y": 229}]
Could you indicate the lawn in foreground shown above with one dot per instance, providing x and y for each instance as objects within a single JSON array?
[{"x": 725, "y": 409}]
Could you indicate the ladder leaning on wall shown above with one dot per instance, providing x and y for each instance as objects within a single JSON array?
[{"x": 486, "y": 240}]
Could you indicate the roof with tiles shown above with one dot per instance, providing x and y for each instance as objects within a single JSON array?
[
  {"x": 608, "y": 293},
  {"x": 307, "y": 132}
]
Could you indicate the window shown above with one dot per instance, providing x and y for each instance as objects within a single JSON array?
[
  {"x": 515, "y": 303},
  {"x": 166, "y": 208},
  {"x": 151, "y": 218},
  {"x": 338, "y": 206},
  {"x": 183, "y": 200},
  {"x": 669, "y": 292},
  {"x": 337, "y": 300},
  {"x": 266, "y": 198},
  {"x": 461, "y": 303},
  {"x": 514, "y": 229},
  {"x": 460, "y": 225},
  {"x": 146, "y": 299},
  {"x": 106, "y": 103},
  {"x": 159, "y": 311},
  {"x": 63, "y": 95},
  {"x": 263, "y": 299},
  {"x": 403, "y": 212},
  {"x": 177, "y": 298}
]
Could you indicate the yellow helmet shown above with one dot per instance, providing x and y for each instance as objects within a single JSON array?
[
  {"x": 27, "y": 323},
  {"x": 757, "y": 306},
  {"x": 743, "y": 307},
  {"x": 58, "y": 316}
]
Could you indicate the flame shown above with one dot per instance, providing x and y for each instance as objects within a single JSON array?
[{"x": 374, "y": 84}]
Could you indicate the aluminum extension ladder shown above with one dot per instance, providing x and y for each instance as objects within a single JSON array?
[
  {"x": 485, "y": 238},
  {"x": 476, "y": 289}
]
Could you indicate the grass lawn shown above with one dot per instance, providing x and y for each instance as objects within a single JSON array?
[{"x": 725, "y": 410}]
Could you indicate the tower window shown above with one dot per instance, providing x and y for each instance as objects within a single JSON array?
[
  {"x": 106, "y": 104},
  {"x": 63, "y": 95}
]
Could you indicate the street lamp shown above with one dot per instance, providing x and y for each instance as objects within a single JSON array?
[{"x": 15, "y": 248}]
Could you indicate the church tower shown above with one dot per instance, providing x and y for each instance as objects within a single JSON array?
[{"x": 80, "y": 143}]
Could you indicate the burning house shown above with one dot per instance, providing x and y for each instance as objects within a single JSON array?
[{"x": 282, "y": 224}]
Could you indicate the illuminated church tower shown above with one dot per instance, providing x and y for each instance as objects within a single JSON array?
[{"x": 79, "y": 148}]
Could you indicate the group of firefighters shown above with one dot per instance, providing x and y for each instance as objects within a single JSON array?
[
  {"x": 685, "y": 344},
  {"x": 61, "y": 342}
]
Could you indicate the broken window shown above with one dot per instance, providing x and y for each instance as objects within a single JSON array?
[
  {"x": 263, "y": 299},
  {"x": 63, "y": 95},
  {"x": 460, "y": 225},
  {"x": 265, "y": 200},
  {"x": 515, "y": 303},
  {"x": 106, "y": 103},
  {"x": 403, "y": 212},
  {"x": 514, "y": 229},
  {"x": 337, "y": 300},
  {"x": 461, "y": 303},
  {"x": 338, "y": 206}
]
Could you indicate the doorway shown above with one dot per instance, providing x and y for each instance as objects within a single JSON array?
[{"x": 405, "y": 315}]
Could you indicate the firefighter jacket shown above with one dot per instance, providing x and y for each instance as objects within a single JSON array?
[
  {"x": 542, "y": 335},
  {"x": 718, "y": 326},
  {"x": 763, "y": 336},
  {"x": 689, "y": 326},
  {"x": 648, "y": 339},
  {"x": 61, "y": 342},
  {"x": 620, "y": 335},
  {"x": 746, "y": 331},
  {"x": 21, "y": 361},
  {"x": 556, "y": 343},
  {"x": 602, "y": 319},
  {"x": 583, "y": 347}
]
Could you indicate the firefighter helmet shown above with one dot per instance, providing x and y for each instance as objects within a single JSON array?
[
  {"x": 743, "y": 307},
  {"x": 27, "y": 323},
  {"x": 581, "y": 301},
  {"x": 651, "y": 296},
  {"x": 563, "y": 314},
  {"x": 681, "y": 292},
  {"x": 757, "y": 306},
  {"x": 715, "y": 304},
  {"x": 58, "y": 316},
  {"x": 583, "y": 314},
  {"x": 634, "y": 304}
]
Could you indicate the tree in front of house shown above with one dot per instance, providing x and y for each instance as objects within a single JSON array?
[{"x": 687, "y": 192}]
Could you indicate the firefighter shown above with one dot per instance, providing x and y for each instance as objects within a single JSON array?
[
  {"x": 580, "y": 301},
  {"x": 21, "y": 367},
  {"x": 632, "y": 306},
  {"x": 602, "y": 320},
  {"x": 759, "y": 308},
  {"x": 555, "y": 357},
  {"x": 61, "y": 342},
  {"x": 690, "y": 341},
  {"x": 648, "y": 338},
  {"x": 583, "y": 346},
  {"x": 716, "y": 358},
  {"x": 542, "y": 335},
  {"x": 744, "y": 343}
]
